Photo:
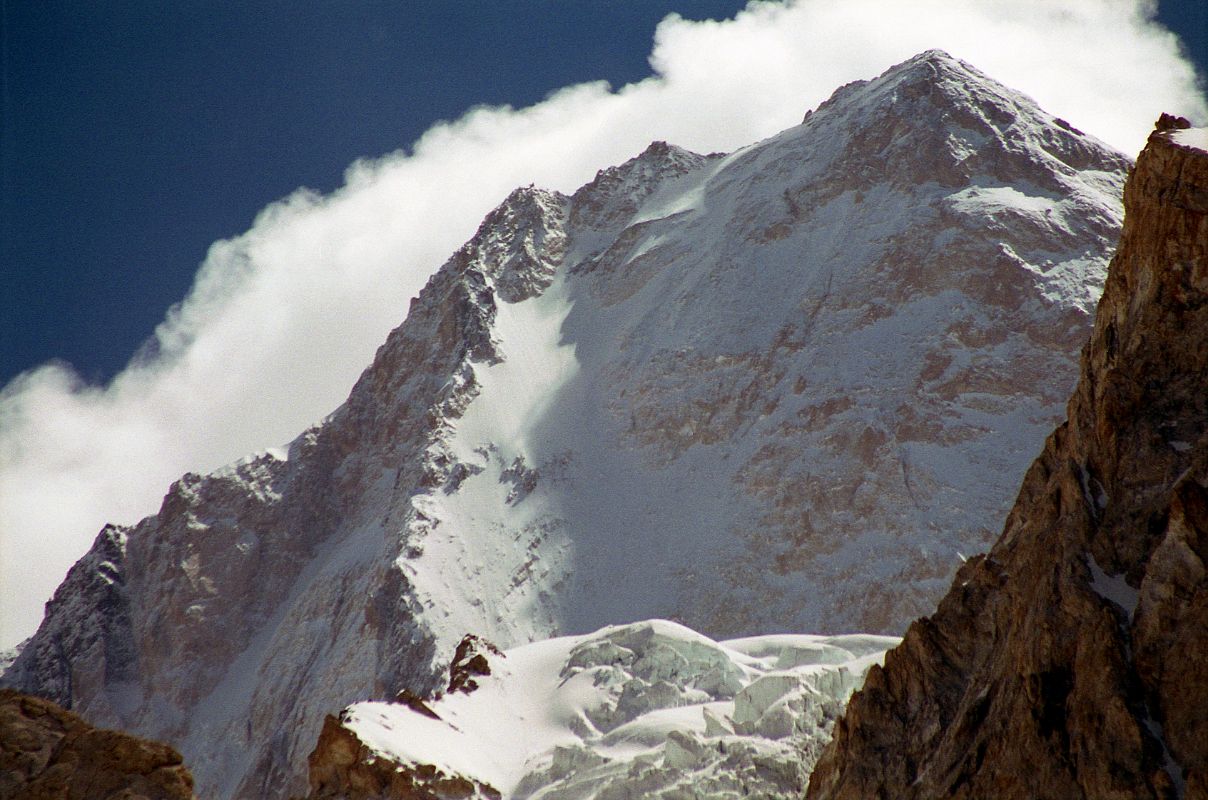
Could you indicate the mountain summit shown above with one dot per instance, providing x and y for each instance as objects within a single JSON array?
[
  {"x": 785, "y": 388},
  {"x": 1068, "y": 662}
]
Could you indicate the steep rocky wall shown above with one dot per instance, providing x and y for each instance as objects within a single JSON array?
[{"x": 1069, "y": 662}]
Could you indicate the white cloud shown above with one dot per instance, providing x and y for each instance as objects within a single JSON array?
[{"x": 282, "y": 319}]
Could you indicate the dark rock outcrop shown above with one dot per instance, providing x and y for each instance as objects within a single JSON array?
[
  {"x": 1069, "y": 662},
  {"x": 47, "y": 752},
  {"x": 471, "y": 658},
  {"x": 342, "y": 767}
]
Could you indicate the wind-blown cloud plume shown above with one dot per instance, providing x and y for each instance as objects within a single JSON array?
[{"x": 282, "y": 319}]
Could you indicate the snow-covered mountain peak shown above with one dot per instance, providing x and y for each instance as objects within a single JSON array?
[
  {"x": 784, "y": 389},
  {"x": 932, "y": 79},
  {"x": 612, "y": 199},
  {"x": 935, "y": 117},
  {"x": 917, "y": 70},
  {"x": 520, "y": 243}
]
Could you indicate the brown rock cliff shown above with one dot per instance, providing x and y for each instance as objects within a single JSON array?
[
  {"x": 47, "y": 752},
  {"x": 342, "y": 767},
  {"x": 1072, "y": 660}
]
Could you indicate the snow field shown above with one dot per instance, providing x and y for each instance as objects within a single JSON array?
[{"x": 640, "y": 710}]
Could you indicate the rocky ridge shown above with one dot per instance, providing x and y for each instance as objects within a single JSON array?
[
  {"x": 1068, "y": 662},
  {"x": 181, "y": 626},
  {"x": 342, "y": 767},
  {"x": 47, "y": 752},
  {"x": 783, "y": 388}
]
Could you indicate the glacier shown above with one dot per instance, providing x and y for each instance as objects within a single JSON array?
[{"x": 650, "y": 709}]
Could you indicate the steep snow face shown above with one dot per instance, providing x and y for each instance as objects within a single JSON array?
[
  {"x": 818, "y": 363},
  {"x": 650, "y": 709},
  {"x": 784, "y": 389}
]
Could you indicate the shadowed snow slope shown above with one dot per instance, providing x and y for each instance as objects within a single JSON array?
[{"x": 781, "y": 389}]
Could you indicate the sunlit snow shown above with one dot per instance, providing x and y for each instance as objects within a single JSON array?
[{"x": 637, "y": 709}]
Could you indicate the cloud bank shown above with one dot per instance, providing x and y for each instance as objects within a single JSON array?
[{"x": 281, "y": 320}]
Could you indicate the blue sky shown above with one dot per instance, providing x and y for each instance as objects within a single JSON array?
[{"x": 137, "y": 133}]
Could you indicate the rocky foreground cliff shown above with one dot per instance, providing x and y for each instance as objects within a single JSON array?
[
  {"x": 1072, "y": 660},
  {"x": 47, "y": 752}
]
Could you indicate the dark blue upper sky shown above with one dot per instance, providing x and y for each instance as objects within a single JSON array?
[{"x": 136, "y": 133}]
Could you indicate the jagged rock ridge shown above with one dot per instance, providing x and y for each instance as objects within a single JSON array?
[
  {"x": 1069, "y": 661},
  {"x": 783, "y": 388}
]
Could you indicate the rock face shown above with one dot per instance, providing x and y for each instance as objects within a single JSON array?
[
  {"x": 1069, "y": 662},
  {"x": 47, "y": 752},
  {"x": 649, "y": 709},
  {"x": 342, "y": 767},
  {"x": 471, "y": 661},
  {"x": 784, "y": 388}
]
